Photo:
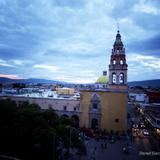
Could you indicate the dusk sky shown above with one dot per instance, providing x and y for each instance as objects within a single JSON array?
[{"x": 71, "y": 40}]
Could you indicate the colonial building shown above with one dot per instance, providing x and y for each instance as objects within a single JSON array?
[
  {"x": 103, "y": 107},
  {"x": 106, "y": 108}
]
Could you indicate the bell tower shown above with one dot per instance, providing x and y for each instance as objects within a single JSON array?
[{"x": 118, "y": 66}]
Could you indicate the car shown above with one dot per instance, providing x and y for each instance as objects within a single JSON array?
[
  {"x": 142, "y": 126},
  {"x": 125, "y": 150},
  {"x": 135, "y": 130},
  {"x": 145, "y": 132}
]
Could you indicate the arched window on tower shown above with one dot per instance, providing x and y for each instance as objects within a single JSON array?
[
  {"x": 114, "y": 78},
  {"x": 121, "y": 61},
  {"x": 121, "y": 78},
  {"x": 114, "y": 61}
]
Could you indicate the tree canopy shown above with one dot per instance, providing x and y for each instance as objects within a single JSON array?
[{"x": 27, "y": 132}]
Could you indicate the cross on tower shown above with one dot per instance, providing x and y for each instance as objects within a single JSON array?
[{"x": 117, "y": 26}]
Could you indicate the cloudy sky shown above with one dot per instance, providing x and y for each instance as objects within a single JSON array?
[{"x": 71, "y": 40}]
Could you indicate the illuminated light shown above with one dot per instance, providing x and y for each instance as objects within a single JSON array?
[{"x": 158, "y": 131}]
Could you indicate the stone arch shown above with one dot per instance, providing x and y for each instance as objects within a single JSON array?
[
  {"x": 121, "y": 62},
  {"x": 75, "y": 121},
  {"x": 94, "y": 123},
  {"x": 65, "y": 115},
  {"x": 95, "y": 97},
  {"x": 121, "y": 78},
  {"x": 65, "y": 119},
  {"x": 114, "y": 61},
  {"x": 114, "y": 78},
  {"x": 94, "y": 102}
]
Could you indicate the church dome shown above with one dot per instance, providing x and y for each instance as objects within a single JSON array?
[{"x": 102, "y": 80}]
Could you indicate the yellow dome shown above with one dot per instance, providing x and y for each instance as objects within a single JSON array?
[{"x": 102, "y": 80}]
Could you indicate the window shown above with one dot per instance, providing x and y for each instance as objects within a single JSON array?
[
  {"x": 158, "y": 122},
  {"x": 95, "y": 106},
  {"x": 113, "y": 78},
  {"x": 65, "y": 108},
  {"x": 114, "y": 61},
  {"x": 121, "y": 78},
  {"x": 74, "y": 108},
  {"x": 121, "y": 62},
  {"x": 116, "y": 120}
]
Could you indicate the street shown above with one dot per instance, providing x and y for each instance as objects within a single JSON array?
[
  {"x": 112, "y": 152},
  {"x": 142, "y": 147}
]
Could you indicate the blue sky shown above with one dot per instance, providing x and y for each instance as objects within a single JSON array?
[{"x": 71, "y": 40}]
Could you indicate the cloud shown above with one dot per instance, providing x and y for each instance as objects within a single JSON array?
[
  {"x": 140, "y": 67},
  {"x": 10, "y": 76},
  {"x": 146, "y": 8},
  {"x": 76, "y": 36},
  {"x": 69, "y": 3},
  {"x": 155, "y": 64},
  {"x": 3, "y": 63},
  {"x": 47, "y": 67},
  {"x": 75, "y": 80},
  {"x": 138, "y": 57},
  {"x": 149, "y": 46},
  {"x": 18, "y": 62}
]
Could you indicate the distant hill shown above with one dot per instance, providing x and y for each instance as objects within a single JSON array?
[
  {"x": 30, "y": 80},
  {"x": 152, "y": 83}
]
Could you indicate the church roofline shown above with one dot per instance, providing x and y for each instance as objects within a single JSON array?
[{"x": 108, "y": 90}]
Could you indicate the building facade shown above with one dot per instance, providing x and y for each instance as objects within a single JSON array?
[{"x": 106, "y": 108}]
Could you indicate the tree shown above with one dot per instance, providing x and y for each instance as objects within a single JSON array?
[
  {"x": 27, "y": 132},
  {"x": 1, "y": 86}
]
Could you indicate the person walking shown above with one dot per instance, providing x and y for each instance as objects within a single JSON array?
[
  {"x": 93, "y": 154},
  {"x": 105, "y": 145},
  {"x": 102, "y": 145}
]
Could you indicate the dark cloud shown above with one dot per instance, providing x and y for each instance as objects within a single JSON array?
[
  {"x": 122, "y": 8},
  {"x": 148, "y": 46},
  {"x": 73, "y": 33},
  {"x": 147, "y": 21},
  {"x": 13, "y": 53}
]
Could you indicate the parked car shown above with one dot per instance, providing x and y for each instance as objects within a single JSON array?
[
  {"x": 135, "y": 125},
  {"x": 142, "y": 126},
  {"x": 145, "y": 132},
  {"x": 125, "y": 150}
]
